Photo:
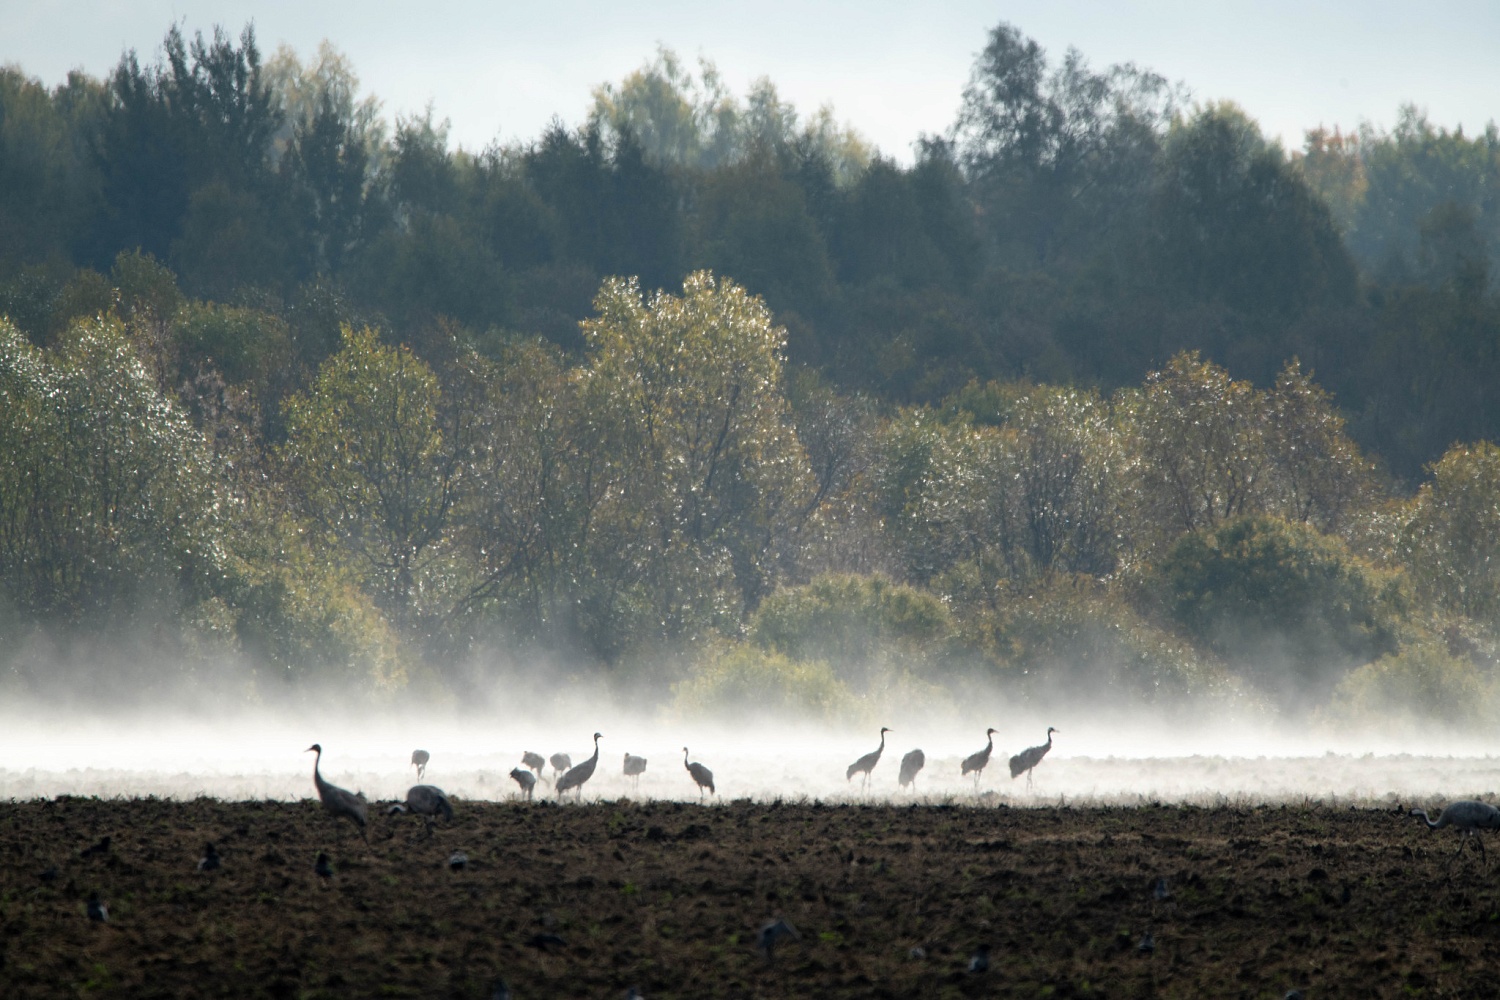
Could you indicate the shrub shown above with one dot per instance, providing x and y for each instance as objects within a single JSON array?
[
  {"x": 849, "y": 619},
  {"x": 1423, "y": 683},
  {"x": 745, "y": 678}
]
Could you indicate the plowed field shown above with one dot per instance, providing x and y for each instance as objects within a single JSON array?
[{"x": 889, "y": 901}]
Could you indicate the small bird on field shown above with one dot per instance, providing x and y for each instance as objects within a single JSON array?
[
  {"x": 702, "y": 776},
  {"x": 773, "y": 934},
  {"x": 867, "y": 763},
  {"x": 339, "y": 801},
  {"x": 560, "y": 762},
  {"x": 101, "y": 848},
  {"x": 910, "y": 765},
  {"x": 525, "y": 779},
  {"x": 976, "y": 762},
  {"x": 1467, "y": 815},
  {"x": 980, "y": 960},
  {"x": 1025, "y": 761},
  {"x": 419, "y": 759},
  {"x": 458, "y": 861},
  {"x": 323, "y": 867},
  {"x": 210, "y": 860},
  {"x": 576, "y": 776},
  {"x": 634, "y": 768},
  {"x": 98, "y": 912},
  {"x": 535, "y": 761},
  {"x": 426, "y": 801}
]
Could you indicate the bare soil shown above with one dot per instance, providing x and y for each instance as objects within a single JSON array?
[{"x": 890, "y": 901}]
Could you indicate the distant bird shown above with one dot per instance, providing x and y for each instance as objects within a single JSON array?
[
  {"x": 525, "y": 779},
  {"x": 916, "y": 953},
  {"x": 419, "y": 759},
  {"x": 322, "y": 866},
  {"x": 1023, "y": 762},
  {"x": 210, "y": 860},
  {"x": 701, "y": 775},
  {"x": 1161, "y": 890},
  {"x": 1466, "y": 815},
  {"x": 576, "y": 776},
  {"x": 339, "y": 801},
  {"x": 634, "y": 768},
  {"x": 101, "y": 848},
  {"x": 980, "y": 960},
  {"x": 867, "y": 763},
  {"x": 910, "y": 765},
  {"x": 979, "y": 759},
  {"x": 535, "y": 761},
  {"x": 773, "y": 934},
  {"x": 98, "y": 912},
  {"x": 560, "y": 762},
  {"x": 426, "y": 801},
  {"x": 458, "y": 861}
]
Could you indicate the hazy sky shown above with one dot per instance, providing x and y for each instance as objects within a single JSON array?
[{"x": 501, "y": 69}]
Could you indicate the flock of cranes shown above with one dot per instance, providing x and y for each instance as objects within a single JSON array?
[{"x": 428, "y": 802}]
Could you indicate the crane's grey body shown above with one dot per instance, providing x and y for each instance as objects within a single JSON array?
[
  {"x": 576, "y": 776},
  {"x": 426, "y": 801},
  {"x": 977, "y": 761},
  {"x": 560, "y": 762},
  {"x": 535, "y": 761},
  {"x": 634, "y": 768},
  {"x": 525, "y": 779},
  {"x": 867, "y": 763},
  {"x": 1467, "y": 815},
  {"x": 419, "y": 759},
  {"x": 1026, "y": 760},
  {"x": 773, "y": 934},
  {"x": 910, "y": 765},
  {"x": 702, "y": 776},
  {"x": 339, "y": 801}
]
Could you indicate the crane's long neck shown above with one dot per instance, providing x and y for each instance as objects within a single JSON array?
[
  {"x": 595, "y": 759},
  {"x": 1432, "y": 824},
  {"x": 685, "y": 759},
  {"x": 318, "y": 782}
]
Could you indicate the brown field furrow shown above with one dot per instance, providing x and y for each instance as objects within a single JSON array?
[{"x": 670, "y": 898}]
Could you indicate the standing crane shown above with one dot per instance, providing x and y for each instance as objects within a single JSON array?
[
  {"x": 576, "y": 776},
  {"x": 634, "y": 768},
  {"x": 1467, "y": 815},
  {"x": 339, "y": 801},
  {"x": 525, "y": 779},
  {"x": 560, "y": 762},
  {"x": 535, "y": 761},
  {"x": 1026, "y": 760},
  {"x": 701, "y": 775},
  {"x": 419, "y": 759},
  {"x": 426, "y": 801},
  {"x": 979, "y": 759},
  {"x": 867, "y": 763},
  {"x": 910, "y": 765}
]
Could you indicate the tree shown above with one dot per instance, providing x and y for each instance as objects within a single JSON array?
[{"x": 1451, "y": 540}]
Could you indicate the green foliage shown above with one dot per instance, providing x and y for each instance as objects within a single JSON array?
[
  {"x": 745, "y": 679},
  {"x": 852, "y": 620},
  {"x": 1451, "y": 541},
  {"x": 246, "y": 345},
  {"x": 1420, "y": 684},
  {"x": 1281, "y": 602}
]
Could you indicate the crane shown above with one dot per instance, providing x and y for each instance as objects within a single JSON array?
[
  {"x": 525, "y": 779},
  {"x": 560, "y": 762},
  {"x": 1467, "y": 815},
  {"x": 979, "y": 759},
  {"x": 634, "y": 768},
  {"x": 867, "y": 763},
  {"x": 1023, "y": 762},
  {"x": 535, "y": 761},
  {"x": 426, "y": 801},
  {"x": 702, "y": 776},
  {"x": 419, "y": 759},
  {"x": 576, "y": 776},
  {"x": 910, "y": 765},
  {"x": 339, "y": 801}
]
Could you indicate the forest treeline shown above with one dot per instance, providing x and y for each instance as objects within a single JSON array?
[{"x": 712, "y": 394}]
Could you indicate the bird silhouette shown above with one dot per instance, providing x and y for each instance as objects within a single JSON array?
[
  {"x": 458, "y": 861},
  {"x": 1161, "y": 890},
  {"x": 560, "y": 762},
  {"x": 702, "y": 776},
  {"x": 576, "y": 776},
  {"x": 980, "y": 960},
  {"x": 210, "y": 860},
  {"x": 1026, "y": 760},
  {"x": 910, "y": 765},
  {"x": 419, "y": 759},
  {"x": 535, "y": 761},
  {"x": 323, "y": 867},
  {"x": 525, "y": 779},
  {"x": 1467, "y": 815},
  {"x": 426, "y": 801},
  {"x": 98, "y": 912},
  {"x": 774, "y": 933},
  {"x": 976, "y": 762},
  {"x": 867, "y": 763},
  {"x": 339, "y": 801},
  {"x": 634, "y": 768}
]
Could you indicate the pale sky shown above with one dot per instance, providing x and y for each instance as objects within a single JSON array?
[{"x": 501, "y": 69}]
